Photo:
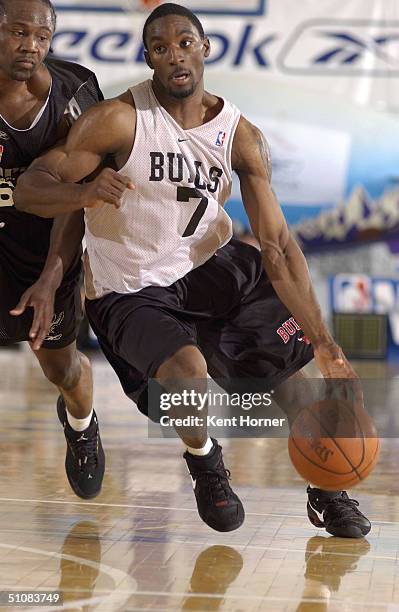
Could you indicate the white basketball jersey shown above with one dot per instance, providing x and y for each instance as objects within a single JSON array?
[{"x": 174, "y": 220}]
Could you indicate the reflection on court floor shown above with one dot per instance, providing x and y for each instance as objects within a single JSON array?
[{"x": 141, "y": 546}]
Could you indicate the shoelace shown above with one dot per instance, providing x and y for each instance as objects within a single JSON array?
[
  {"x": 85, "y": 452},
  {"x": 342, "y": 507},
  {"x": 218, "y": 481}
]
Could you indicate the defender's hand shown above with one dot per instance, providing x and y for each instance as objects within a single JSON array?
[
  {"x": 40, "y": 297},
  {"x": 107, "y": 188}
]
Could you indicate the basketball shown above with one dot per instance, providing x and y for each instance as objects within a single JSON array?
[{"x": 333, "y": 444}]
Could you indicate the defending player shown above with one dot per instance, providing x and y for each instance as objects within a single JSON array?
[
  {"x": 39, "y": 98},
  {"x": 170, "y": 295}
]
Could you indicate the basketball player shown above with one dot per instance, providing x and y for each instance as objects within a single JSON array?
[
  {"x": 170, "y": 295},
  {"x": 39, "y": 97}
]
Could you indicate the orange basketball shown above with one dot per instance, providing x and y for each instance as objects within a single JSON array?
[{"x": 333, "y": 444}]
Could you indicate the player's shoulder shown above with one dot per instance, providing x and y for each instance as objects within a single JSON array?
[
  {"x": 120, "y": 106},
  {"x": 115, "y": 114},
  {"x": 245, "y": 135},
  {"x": 246, "y": 130},
  {"x": 68, "y": 71},
  {"x": 248, "y": 141}
]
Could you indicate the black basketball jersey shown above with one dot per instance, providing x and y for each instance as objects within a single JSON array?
[{"x": 24, "y": 238}]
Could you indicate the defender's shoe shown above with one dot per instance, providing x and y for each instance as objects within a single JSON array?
[
  {"x": 218, "y": 505},
  {"x": 340, "y": 515},
  {"x": 85, "y": 459}
]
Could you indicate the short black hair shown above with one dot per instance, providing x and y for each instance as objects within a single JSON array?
[
  {"x": 48, "y": 3},
  {"x": 172, "y": 9}
]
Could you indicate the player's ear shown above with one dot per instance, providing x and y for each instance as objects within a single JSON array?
[
  {"x": 207, "y": 47},
  {"x": 148, "y": 60}
]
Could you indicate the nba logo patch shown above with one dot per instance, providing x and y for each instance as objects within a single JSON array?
[
  {"x": 220, "y": 139},
  {"x": 1, "y": 151}
]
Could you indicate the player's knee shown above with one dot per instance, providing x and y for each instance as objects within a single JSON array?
[
  {"x": 187, "y": 363},
  {"x": 64, "y": 373}
]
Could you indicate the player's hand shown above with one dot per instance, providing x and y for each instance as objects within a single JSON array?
[
  {"x": 342, "y": 382},
  {"x": 40, "y": 297},
  {"x": 107, "y": 188},
  {"x": 332, "y": 362}
]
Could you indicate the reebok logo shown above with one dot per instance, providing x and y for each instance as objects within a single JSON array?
[{"x": 346, "y": 47}]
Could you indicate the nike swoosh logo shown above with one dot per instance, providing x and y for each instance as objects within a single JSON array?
[{"x": 182, "y": 139}]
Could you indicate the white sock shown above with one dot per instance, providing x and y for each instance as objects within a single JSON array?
[
  {"x": 79, "y": 424},
  {"x": 201, "y": 452}
]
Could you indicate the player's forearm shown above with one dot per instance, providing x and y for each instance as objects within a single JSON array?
[
  {"x": 65, "y": 242},
  {"x": 41, "y": 194},
  {"x": 289, "y": 274}
]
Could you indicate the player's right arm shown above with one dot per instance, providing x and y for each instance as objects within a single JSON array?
[{"x": 49, "y": 187}]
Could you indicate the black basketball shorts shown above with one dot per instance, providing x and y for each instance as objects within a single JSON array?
[
  {"x": 66, "y": 319},
  {"x": 226, "y": 307}
]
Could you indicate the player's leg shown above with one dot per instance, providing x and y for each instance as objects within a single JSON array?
[
  {"x": 218, "y": 505},
  {"x": 143, "y": 337},
  {"x": 260, "y": 340},
  {"x": 70, "y": 371}
]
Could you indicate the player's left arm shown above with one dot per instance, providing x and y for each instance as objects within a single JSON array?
[{"x": 282, "y": 258}]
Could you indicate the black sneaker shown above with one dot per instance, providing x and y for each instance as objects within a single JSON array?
[
  {"x": 340, "y": 515},
  {"x": 85, "y": 460},
  {"x": 218, "y": 505}
]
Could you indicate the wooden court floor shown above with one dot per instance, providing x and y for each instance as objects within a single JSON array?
[{"x": 141, "y": 546}]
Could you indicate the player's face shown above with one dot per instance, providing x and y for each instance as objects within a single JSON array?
[
  {"x": 176, "y": 53},
  {"x": 25, "y": 36}
]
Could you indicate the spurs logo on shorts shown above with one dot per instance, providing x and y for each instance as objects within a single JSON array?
[{"x": 56, "y": 322}]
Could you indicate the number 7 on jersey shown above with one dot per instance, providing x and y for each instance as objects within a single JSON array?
[{"x": 185, "y": 194}]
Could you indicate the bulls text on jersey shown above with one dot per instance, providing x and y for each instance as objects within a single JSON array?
[{"x": 173, "y": 165}]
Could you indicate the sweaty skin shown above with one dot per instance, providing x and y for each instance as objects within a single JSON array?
[{"x": 176, "y": 54}]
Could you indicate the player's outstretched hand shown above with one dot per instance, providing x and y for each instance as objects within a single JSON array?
[
  {"x": 107, "y": 188},
  {"x": 40, "y": 297}
]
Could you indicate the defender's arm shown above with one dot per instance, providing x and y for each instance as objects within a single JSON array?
[{"x": 48, "y": 188}]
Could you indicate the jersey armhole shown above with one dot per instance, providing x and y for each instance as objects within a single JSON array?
[
  {"x": 229, "y": 147},
  {"x": 134, "y": 145}
]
